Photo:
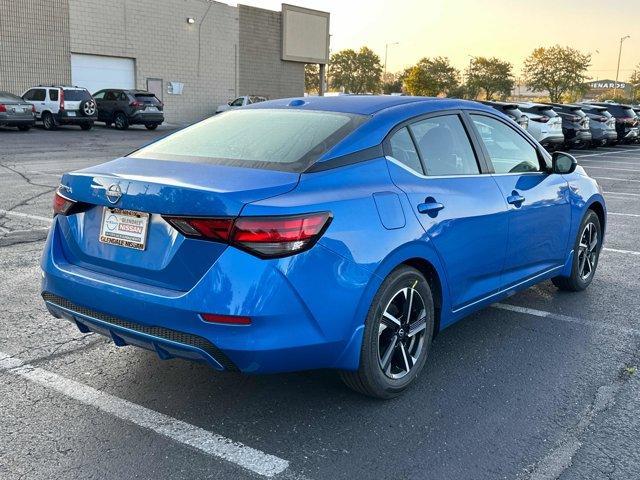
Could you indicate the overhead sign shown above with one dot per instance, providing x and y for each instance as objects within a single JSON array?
[{"x": 305, "y": 35}]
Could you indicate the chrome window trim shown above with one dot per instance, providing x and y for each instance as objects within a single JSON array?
[{"x": 419, "y": 175}]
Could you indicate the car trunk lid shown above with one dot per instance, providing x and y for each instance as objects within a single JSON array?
[{"x": 157, "y": 188}]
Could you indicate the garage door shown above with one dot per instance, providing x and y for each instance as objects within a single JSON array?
[{"x": 95, "y": 72}]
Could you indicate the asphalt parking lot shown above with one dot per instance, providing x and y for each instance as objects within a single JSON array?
[{"x": 542, "y": 386}]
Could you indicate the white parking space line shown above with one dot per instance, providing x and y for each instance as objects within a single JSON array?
[
  {"x": 182, "y": 432},
  {"x": 624, "y": 214},
  {"x": 608, "y": 153},
  {"x": 607, "y": 162},
  {"x": 24, "y": 215},
  {"x": 612, "y": 168},
  {"x": 617, "y": 250},
  {"x": 620, "y": 179},
  {"x": 624, "y": 194},
  {"x": 566, "y": 318}
]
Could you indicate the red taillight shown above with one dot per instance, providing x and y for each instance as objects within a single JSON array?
[
  {"x": 61, "y": 205},
  {"x": 227, "y": 319},
  {"x": 33, "y": 109},
  {"x": 263, "y": 236},
  {"x": 61, "y": 99},
  {"x": 136, "y": 104},
  {"x": 2, "y": 108},
  {"x": 542, "y": 119}
]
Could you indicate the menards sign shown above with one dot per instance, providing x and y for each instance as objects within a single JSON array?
[{"x": 607, "y": 85}]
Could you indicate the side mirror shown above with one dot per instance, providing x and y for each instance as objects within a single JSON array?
[
  {"x": 229, "y": 102},
  {"x": 563, "y": 163}
]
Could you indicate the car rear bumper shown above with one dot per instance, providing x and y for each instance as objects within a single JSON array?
[
  {"x": 146, "y": 119},
  {"x": 64, "y": 118},
  {"x": 17, "y": 122},
  {"x": 552, "y": 140},
  {"x": 289, "y": 331}
]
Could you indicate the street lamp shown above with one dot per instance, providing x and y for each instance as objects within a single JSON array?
[
  {"x": 386, "y": 51},
  {"x": 615, "y": 87}
]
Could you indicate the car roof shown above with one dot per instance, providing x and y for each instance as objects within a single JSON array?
[{"x": 362, "y": 104}]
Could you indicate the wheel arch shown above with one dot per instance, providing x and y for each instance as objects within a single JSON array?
[
  {"x": 418, "y": 254},
  {"x": 598, "y": 207}
]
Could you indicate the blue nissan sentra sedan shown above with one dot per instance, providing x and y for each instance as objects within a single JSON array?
[{"x": 309, "y": 233}]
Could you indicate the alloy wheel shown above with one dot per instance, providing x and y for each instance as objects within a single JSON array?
[
  {"x": 588, "y": 251},
  {"x": 401, "y": 333}
]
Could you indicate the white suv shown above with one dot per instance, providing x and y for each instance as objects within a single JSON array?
[
  {"x": 545, "y": 125},
  {"x": 59, "y": 105}
]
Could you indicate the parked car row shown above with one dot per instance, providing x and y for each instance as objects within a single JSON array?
[
  {"x": 55, "y": 105},
  {"x": 579, "y": 125}
]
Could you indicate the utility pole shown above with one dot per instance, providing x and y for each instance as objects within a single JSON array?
[
  {"x": 615, "y": 87},
  {"x": 386, "y": 52}
]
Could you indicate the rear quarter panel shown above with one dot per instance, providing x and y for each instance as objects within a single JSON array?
[{"x": 368, "y": 250}]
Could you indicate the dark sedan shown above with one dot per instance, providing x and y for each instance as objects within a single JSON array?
[{"x": 15, "y": 112}]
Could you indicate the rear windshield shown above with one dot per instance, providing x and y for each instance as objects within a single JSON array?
[
  {"x": 76, "y": 95},
  {"x": 9, "y": 97},
  {"x": 546, "y": 111},
  {"x": 278, "y": 139},
  {"x": 147, "y": 98}
]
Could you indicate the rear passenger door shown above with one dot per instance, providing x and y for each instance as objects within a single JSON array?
[
  {"x": 538, "y": 201},
  {"x": 108, "y": 105},
  {"x": 459, "y": 205}
]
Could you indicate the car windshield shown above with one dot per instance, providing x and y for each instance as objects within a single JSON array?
[
  {"x": 76, "y": 95},
  {"x": 278, "y": 139}
]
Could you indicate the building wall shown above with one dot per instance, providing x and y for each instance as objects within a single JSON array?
[
  {"x": 32, "y": 51},
  {"x": 262, "y": 72},
  {"x": 156, "y": 34}
]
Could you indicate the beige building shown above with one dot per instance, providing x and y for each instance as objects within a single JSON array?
[{"x": 194, "y": 54}]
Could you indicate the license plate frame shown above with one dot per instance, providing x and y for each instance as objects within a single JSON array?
[{"x": 124, "y": 228}]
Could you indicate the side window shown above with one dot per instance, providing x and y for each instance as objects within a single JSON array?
[
  {"x": 122, "y": 97},
  {"x": 444, "y": 146},
  {"x": 110, "y": 95},
  {"x": 53, "y": 94},
  {"x": 39, "y": 94},
  {"x": 509, "y": 152},
  {"x": 237, "y": 102},
  {"x": 404, "y": 150},
  {"x": 28, "y": 95},
  {"x": 99, "y": 95}
]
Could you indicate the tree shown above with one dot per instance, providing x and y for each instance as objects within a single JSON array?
[
  {"x": 556, "y": 69},
  {"x": 355, "y": 72},
  {"x": 491, "y": 76},
  {"x": 312, "y": 78},
  {"x": 634, "y": 80},
  {"x": 432, "y": 77},
  {"x": 391, "y": 83}
]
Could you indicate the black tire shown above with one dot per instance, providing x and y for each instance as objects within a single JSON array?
[
  {"x": 121, "y": 121},
  {"x": 48, "y": 122},
  {"x": 151, "y": 126},
  {"x": 86, "y": 126},
  {"x": 583, "y": 259},
  {"x": 24, "y": 128},
  {"x": 370, "y": 378}
]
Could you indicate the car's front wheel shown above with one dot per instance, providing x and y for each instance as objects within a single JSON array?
[
  {"x": 586, "y": 253},
  {"x": 151, "y": 126},
  {"x": 397, "y": 336},
  {"x": 24, "y": 128},
  {"x": 86, "y": 126}
]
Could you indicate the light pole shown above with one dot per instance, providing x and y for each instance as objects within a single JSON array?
[
  {"x": 615, "y": 87},
  {"x": 386, "y": 52}
]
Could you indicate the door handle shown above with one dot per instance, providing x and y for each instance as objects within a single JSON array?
[
  {"x": 515, "y": 199},
  {"x": 430, "y": 206}
]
